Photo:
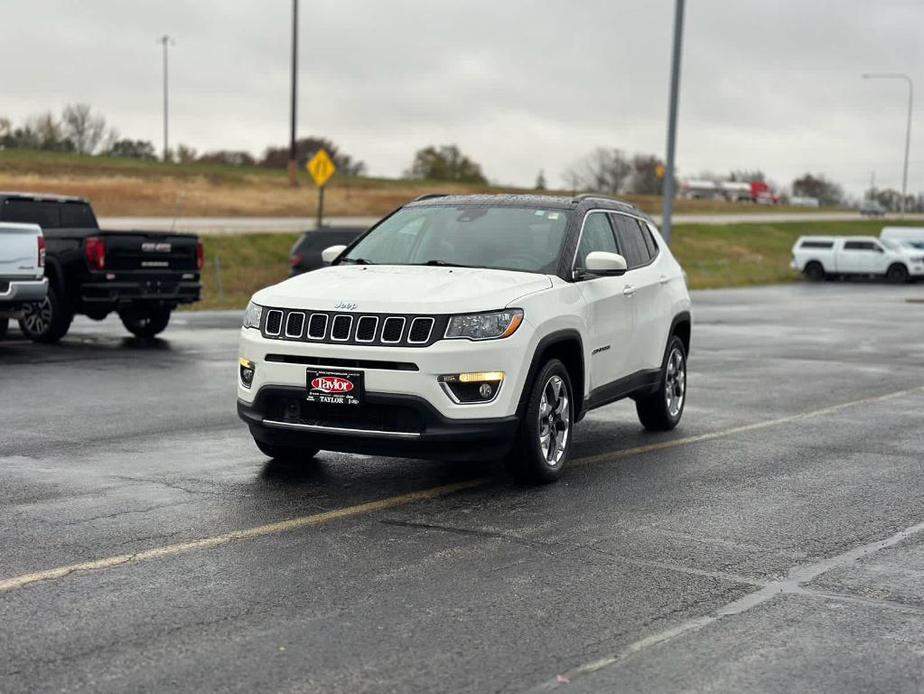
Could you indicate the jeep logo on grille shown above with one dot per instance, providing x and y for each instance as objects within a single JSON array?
[
  {"x": 345, "y": 306},
  {"x": 331, "y": 384}
]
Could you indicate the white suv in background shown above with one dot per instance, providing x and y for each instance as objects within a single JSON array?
[{"x": 470, "y": 327}]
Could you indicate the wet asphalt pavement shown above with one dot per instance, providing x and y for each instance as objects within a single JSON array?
[{"x": 773, "y": 542}]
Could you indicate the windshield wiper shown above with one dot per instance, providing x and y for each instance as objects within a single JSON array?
[
  {"x": 357, "y": 261},
  {"x": 443, "y": 263}
]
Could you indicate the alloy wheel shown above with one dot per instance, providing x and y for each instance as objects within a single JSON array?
[
  {"x": 675, "y": 382},
  {"x": 37, "y": 317},
  {"x": 554, "y": 421}
]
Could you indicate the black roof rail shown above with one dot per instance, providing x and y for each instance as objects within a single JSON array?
[
  {"x": 427, "y": 196},
  {"x": 597, "y": 196}
]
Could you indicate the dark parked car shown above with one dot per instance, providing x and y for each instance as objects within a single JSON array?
[
  {"x": 306, "y": 253},
  {"x": 141, "y": 275}
]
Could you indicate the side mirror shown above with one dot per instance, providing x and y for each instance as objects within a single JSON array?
[
  {"x": 329, "y": 255},
  {"x": 604, "y": 263}
]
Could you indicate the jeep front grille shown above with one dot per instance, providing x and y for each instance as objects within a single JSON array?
[{"x": 353, "y": 328}]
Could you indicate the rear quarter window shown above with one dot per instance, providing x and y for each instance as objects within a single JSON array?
[{"x": 817, "y": 244}]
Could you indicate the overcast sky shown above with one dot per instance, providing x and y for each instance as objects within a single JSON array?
[{"x": 519, "y": 85}]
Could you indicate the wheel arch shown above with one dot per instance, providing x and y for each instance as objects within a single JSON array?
[
  {"x": 568, "y": 347},
  {"x": 682, "y": 327}
]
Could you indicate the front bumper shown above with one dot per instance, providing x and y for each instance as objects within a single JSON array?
[
  {"x": 396, "y": 425},
  {"x": 412, "y": 371},
  {"x": 15, "y": 293}
]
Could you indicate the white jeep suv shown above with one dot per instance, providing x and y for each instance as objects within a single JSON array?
[{"x": 470, "y": 327}]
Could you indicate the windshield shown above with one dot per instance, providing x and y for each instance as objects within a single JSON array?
[{"x": 502, "y": 238}]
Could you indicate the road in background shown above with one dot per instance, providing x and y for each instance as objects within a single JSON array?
[
  {"x": 256, "y": 225},
  {"x": 741, "y": 552}
]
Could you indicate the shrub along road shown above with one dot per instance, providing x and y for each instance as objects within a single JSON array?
[{"x": 773, "y": 542}]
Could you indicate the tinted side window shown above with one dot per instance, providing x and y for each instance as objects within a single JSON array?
[
  {"x": 596, "y": 236},
  {"x": 77, "y": 215},
  {"x": 649, "y": 239},
  {"x": 631, "y": 241},
  {"x": 817, "y": 244},
  {"x": 859, "y": 246},
  {"x": 45, "y": 214}
]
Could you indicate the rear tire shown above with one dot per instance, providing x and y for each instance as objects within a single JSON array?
[
  {"x": 4, "y": 327},
  {"x": 814, "y": 272},
  {"x": 145, "y": 321},
  {"x": 286, "y": 454},
  {"x": 543, "y": 443},
  {"x": 662, "y": 409},
  {"x": 898, "y": 274},
  {"x": 48, "y": 320}
]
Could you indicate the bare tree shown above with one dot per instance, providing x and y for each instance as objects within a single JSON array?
[
  {"x": 82, "y": 127},
  {"x": 47, "y": 132},
  {"x": 602, "y": 171}
]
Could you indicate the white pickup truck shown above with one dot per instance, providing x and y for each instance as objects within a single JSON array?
[
  {"x": 820, "y": 257},
  {"x": 22, "y": 270}
]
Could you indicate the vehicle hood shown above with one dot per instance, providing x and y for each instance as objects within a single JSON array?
[{"x": 402, "y": 289}]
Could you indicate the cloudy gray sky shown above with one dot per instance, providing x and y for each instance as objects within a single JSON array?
[{"x": 520, "y": 85}]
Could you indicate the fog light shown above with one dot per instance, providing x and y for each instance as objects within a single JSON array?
[
  {"x": 247, "y": 368},
  {"x": 470, "y": 388}
]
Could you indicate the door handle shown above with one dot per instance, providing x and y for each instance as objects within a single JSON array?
[
  {"x": 628, "y": 290},
  {"x": 664, "y": 279}
]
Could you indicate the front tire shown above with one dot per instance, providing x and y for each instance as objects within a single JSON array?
[
  {"x": 814, "y": 272},
  {"x": 286, "y": 454},
  {"x": 544, "y": 440},
  {"x": 898, "y": 274},
  {"x": 146, "y": 321},
  {"x": 662, "y": 409},
  {"x": 48, "y": 320},
  {"x": 4, "y": 327}
]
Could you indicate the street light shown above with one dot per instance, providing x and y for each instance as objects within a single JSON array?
[
  {"x": 166, "y": 41},
  {"x": 899, "y": 76}
]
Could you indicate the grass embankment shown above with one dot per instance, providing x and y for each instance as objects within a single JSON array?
[
  {"x": 129, "y": 187},
  {"x": 713, "y": 255}
]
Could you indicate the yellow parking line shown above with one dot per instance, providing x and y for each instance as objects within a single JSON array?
[
  {"x": 9, "y": 584},
  {"x": 246, "y": 534}
]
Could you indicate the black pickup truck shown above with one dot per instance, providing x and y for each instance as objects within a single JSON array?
[{"x": 141, "y": 275}]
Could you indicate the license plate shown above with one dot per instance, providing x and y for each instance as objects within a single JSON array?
[{"x": 334, "y": 387}]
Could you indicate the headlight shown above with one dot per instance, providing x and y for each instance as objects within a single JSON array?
[
  {"x": 252, "y": 315},
  {"x": 485, "y": 326}
]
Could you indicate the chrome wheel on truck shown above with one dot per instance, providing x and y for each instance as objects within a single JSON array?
[{"x": 47, "y": 320}]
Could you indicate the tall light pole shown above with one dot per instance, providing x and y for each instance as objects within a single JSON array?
[
  {"x": 899, "y": 76},
  {"x": 668, "y": 185},
  {"x": 166, "y": 41},
  {"x": 293, "y": 181}
]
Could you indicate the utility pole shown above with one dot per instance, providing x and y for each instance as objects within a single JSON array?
[
  {"x": 668, "y": 185},
  {"x": 293, "y": 181},
  {"x": 899, "y": 76},
  {"x": 166, "y": 41}
]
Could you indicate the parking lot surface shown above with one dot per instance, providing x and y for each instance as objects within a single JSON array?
[{"x": 773, "y": 542}]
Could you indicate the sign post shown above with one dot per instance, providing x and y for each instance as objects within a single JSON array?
[{"x": 321, "y": 167}]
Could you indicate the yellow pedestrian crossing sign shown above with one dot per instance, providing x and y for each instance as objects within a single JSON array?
[{"x": 321, "y": 167}]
